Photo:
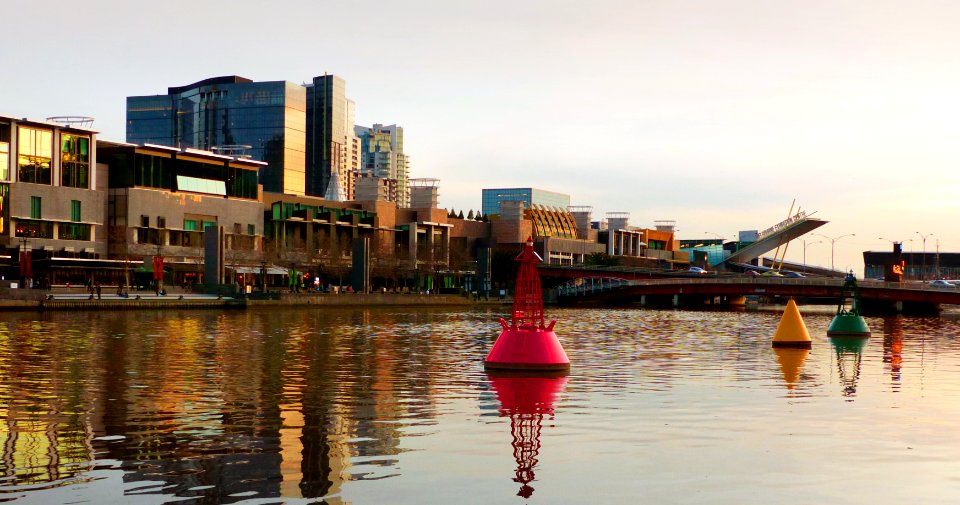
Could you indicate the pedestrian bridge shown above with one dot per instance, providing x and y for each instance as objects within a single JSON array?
[{"x": 881, "y": 295}]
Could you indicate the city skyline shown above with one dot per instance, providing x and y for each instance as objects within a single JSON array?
[{"x": 713, "y": 115}]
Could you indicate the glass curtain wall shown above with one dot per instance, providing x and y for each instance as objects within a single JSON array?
[
  {"x": 34, "y": 155},
  {"x": 75, "y": 161}
]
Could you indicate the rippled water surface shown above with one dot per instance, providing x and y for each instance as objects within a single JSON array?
[{"x": 393, "y": 406}]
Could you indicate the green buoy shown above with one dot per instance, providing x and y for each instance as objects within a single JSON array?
[{"x": 849, "y": 322}]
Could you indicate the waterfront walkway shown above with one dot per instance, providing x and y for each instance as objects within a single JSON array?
[{"x": 60, "y": 298}]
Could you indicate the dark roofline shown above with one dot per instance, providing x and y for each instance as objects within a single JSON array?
[{"x": 226, "y": 79}]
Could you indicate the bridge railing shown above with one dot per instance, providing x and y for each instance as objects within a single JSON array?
[{"x": 591, "y": 285}]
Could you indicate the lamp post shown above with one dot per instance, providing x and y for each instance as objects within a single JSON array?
[
  {"x": 833, "y": 241},
  {"x": 805, "y": 245},
  {"x": 923, "y": 269}
]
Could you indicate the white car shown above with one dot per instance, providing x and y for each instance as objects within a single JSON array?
[
  {"x": 940, "y": 283},
  {"x": 697, "y": 270}
]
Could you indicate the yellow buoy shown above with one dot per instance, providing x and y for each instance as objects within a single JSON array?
[{"x": 791, "y": 332}]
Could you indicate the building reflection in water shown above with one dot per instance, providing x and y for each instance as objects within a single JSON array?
[
  {"x": 849, "y": 353},
  {"x": 893, "y": 348},
  {"x": 214, "y": 405},
  {"x": 526, "y": 399}
]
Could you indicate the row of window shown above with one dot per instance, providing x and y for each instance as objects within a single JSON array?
[
  {"x": 196, "y": 225},
  {"x": 191, "y": 239},
  {"x": 36, "y": 209},
  {"x": 45, "y": 229},
  {"x": 35, "y": 158},
  {"x": 157, "y": 172}
]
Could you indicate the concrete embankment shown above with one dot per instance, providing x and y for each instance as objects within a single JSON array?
[
  {"x": 357, "y": 299},
  {"x": 59, "y": 300}
]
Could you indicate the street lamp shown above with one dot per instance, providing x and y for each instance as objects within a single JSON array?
[
  {"x": 805, "y": 245},
  {"x": 833, "y": 241},
  {"x": 923, "y": 269}
]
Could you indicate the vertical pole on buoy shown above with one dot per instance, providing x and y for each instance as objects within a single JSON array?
[{"x": 791, "y": 332}]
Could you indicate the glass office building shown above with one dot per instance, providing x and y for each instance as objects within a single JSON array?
[
  {"x": 231, "y": 115},
  {"x": 529, "y": 196},
  {"x": 382, "y": 154},
  {"x": 327, "y": 148}
]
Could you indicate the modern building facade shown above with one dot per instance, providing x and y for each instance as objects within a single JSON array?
[
  {"x": 232, "y": 115},
  {"x": 52, "y": 202},
  {"x": 163, "y": 201},
  {"x": 383, "y": 157},
  {"x": 329, "y": 135},
  {"x": 491, "y": 199}
]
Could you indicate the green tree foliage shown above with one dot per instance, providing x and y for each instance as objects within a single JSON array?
[
  {"x": 460, "y": 215},
  {"x": 601, "y": 259},
  {"x": 470, "y": 215}
]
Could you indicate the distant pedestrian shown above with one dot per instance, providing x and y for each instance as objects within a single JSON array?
[{"x": 98, "y": 291}]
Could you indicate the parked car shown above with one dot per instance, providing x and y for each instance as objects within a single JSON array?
[
  {"x": 771, "y": 273},
  {"x": 793, "y": 275},
  {"x": 697, "y": 270},
  {"x": 751, "y": 273},
  {"x": 940, "y": 283}
]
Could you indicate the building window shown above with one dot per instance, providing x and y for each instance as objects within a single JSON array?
[
  {"x": 251, "y": 229},
  {"x": 151, "y": 171},
  {"x": 34, "y": 229},
  {"x": 34, "y": 155},
  {"x": 74, "y": 231},
  {"x": 36, "y": 211},
  {"x": 161, "y": 222},
  {"x": 144, "y": 221},
  {"x": 190, "y": 224},
  {"x": 236, "y": 228},
  {"x": 4, "y": 158},
  {"x": 75, "y": 211},
  {"x": 75, "y": 161},
  {"x": 209, "y": 223}
]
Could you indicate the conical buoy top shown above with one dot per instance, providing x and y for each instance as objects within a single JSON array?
[{"x": 791, "y": 332}]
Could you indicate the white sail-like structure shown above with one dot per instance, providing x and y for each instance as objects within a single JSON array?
[{"x": 334, "y": 190}]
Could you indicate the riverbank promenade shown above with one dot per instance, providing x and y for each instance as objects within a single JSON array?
[{"x": 78, "y": 298}]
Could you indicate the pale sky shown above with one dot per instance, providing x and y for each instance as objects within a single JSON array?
[{"x": 716, "y": 114}]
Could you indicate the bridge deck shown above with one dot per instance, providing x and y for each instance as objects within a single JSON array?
[{"x": 624, "y": 290}]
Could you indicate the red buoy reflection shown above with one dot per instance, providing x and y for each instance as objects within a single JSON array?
[{"x": 526, "y": 399}]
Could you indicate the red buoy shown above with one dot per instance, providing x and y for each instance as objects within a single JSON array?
[{"x": 526, "y": 343}]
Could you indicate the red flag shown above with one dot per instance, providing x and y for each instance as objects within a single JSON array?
[
  {"x": 25, "y": 268},
  {"x": 158, "y": 268}
]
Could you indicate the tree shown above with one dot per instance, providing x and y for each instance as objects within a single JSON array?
[
  {"x": 460, "y": 215},
  {"x": 601, "y": 259},
  {"x": 452, "y": 213},
  {"x": 470, "y": 215}
]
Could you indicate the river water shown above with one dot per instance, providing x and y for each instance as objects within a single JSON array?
[{"x": 391, "y": 405}]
